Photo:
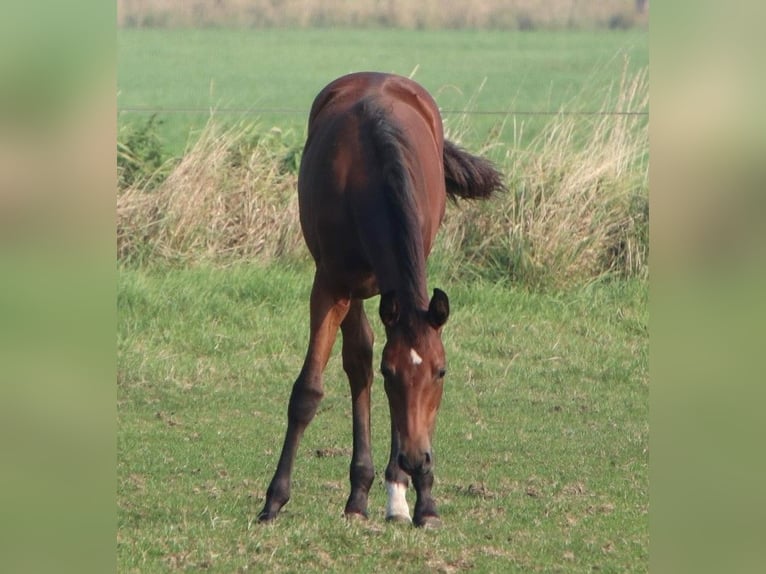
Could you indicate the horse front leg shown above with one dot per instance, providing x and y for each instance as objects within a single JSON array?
[
  {"x": 397, "y": 509},
  {"x": 397, "y": 481},
  {"x": 327, "y": 313},
  {"x": 357, "y": 362},
  {"x": 425, "y": 507}
]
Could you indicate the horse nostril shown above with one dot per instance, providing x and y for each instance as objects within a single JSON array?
[
  {"x": 402, "y": 460},
  {"x": 427, "y": 463}
]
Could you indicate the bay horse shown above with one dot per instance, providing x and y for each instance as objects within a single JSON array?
[{"x": 373, "y": 182}]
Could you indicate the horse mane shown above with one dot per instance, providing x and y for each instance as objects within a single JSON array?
[
  {"x": 389, "y": 146},
  {"x": 468, "y": 176}
]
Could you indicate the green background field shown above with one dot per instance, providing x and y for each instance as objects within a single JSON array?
[
  {"x": 542, "y": 441},
  {"x": 254, "y": 71}
]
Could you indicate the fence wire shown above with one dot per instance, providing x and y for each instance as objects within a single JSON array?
[{"x": 297, "y": 111}]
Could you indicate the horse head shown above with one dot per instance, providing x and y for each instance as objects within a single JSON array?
[{"x": 413, "y": 368}]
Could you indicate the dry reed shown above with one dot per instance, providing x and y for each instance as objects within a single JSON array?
[
  {"x": 577, "y": 206},
  {"x": 498, "y": 14},
  {"x": 576, "y": 209},
  {"x": 226, "y": 199}
]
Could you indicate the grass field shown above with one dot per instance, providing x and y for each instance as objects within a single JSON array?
[
  {"x": 541, "y": 443},
  {"x": 261, "y": 70}
]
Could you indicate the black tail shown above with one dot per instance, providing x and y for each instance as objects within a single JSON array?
[{"x": 469, "y": 176}]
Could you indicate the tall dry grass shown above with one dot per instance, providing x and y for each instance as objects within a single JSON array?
[
  {"x": 228, "y": 198},
  {"x": 577, "y": 206},
  {"x": 503, "y": 14},
  {"x": 576, "y": 209}
]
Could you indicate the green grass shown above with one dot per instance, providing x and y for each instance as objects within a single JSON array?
[
  {"x": 541, "y": 444},
  {"x": 540, "y": 71}
]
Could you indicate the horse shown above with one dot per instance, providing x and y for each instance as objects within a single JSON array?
[{"x": 372, "y": 187}]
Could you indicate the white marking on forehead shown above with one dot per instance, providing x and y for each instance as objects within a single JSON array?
[
  {"x": 416, "y": 359},
  {"x": 396, "y": 507}
]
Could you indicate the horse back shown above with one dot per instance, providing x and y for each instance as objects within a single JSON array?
[
  {"x": 342, "y": 94},
  {"x": 363, "y": 130}
]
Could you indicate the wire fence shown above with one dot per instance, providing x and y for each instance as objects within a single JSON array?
[{"x": 296, "y": 111}]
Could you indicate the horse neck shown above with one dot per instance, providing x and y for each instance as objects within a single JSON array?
[
  {"x": 413, "y": 297},
  {"x": 408, "y": 281},
  {"x": 403, "y": 267}
]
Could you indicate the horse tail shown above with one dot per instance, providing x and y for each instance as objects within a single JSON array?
[{"x": 469, "y": 176}]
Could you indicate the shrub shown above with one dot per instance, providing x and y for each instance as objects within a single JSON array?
[{"x": 141, "y": 160}]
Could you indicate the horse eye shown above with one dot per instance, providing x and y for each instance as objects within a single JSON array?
[
  {"x": 440, "y": 374},
  {"x": 386, "y": 372}
]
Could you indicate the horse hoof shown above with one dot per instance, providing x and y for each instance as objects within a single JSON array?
[
  {"x": 399, "y": 519},
  {"x": 266, "y": 517},
  {"x": 429, "y": 522},
  {"x": 355, "y": 516}
]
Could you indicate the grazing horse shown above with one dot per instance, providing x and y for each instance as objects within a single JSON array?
[{"x": 373, "y": 182}]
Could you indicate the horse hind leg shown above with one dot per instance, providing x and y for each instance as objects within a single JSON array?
[
  {"x": 357, "y": 362},
  {"x": 327, "y": 313}
]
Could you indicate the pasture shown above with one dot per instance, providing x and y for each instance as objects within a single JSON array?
[
  {"x": 541, "y": 445},
  {"x": 271, "y": 76}
]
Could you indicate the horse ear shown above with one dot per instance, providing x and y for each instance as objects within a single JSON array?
[
  {"x": 389, "y": 309},
  {"x": 438, "y": 309}
]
